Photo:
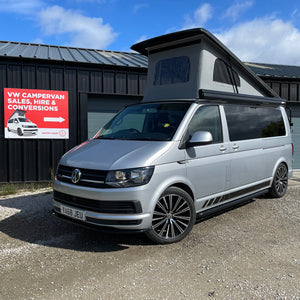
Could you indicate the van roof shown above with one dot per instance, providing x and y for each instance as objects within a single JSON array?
[{"x": 168, "y": 45}]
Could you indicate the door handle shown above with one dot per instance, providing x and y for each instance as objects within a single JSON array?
[
  {"x": 235, "y": 147},
  {"x": 223, "y": 149}
]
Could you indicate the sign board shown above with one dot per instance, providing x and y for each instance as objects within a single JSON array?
[{"x": 36, "y": 114}]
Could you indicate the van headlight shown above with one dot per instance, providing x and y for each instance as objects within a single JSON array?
[{"x": 129, "y": 177}]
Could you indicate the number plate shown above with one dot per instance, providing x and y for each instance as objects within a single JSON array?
[{"x": 72, "y": 212}]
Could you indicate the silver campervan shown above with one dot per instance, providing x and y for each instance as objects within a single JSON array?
[{"x": 208, "y": 135}]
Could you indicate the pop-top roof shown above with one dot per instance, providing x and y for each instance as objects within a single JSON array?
[
  {"x": 71, "y": 54},
  {"x": 204, "y": 63}
]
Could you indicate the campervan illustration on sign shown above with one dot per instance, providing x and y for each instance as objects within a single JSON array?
[
  {"x": 32, "y": 114},
  {"x": 20, "y": 125}
]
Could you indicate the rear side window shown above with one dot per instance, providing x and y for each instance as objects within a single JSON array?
[
  {"x": 225, "y": 74},
  {"x": 172, "y": 70},
  {"x": 253, "y": 122}
]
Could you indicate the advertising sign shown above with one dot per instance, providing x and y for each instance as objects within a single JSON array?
[{"x": 36, "y": 114}]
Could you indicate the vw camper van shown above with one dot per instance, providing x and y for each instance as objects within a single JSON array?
[
  {"x": 208, "y": 134},
  {"x": 19, "y": 124}
]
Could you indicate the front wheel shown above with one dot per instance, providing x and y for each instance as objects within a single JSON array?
[
  {"x": 20, "y": 133},
  {"x": 280, "y": 182},
  {"x": 173, "y": 217}
]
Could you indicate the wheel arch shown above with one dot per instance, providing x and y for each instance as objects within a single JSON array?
[
  {"x": 185, "y": 188},
  {"x": 280, "y": 161}
]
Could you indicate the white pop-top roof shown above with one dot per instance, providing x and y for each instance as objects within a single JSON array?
[{"x": 183, "y": 63}]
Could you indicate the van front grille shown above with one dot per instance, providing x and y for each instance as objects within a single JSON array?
[
  {"x": 100, "y": 206},
  {"x": 89, "y": 177}
]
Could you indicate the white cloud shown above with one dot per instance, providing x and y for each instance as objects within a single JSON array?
[
  {"x": 37, "y": 41},
  {"x": 141, "y": 38},
  {"x": 20, "y": 6},
  {"x": 236, "y": 10},
  {"x": 201, "y": 15},
  {"x": 81, "y": 30},
  {"x": 264, "y": 40},
  {"x": 140, "y": 6}
]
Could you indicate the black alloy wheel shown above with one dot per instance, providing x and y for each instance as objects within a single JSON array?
[
  {"x": 173, "y": 217},
  {"x": 280, "y": 182}
]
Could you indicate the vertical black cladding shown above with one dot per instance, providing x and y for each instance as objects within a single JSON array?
[{"x": 36, "y": 160}]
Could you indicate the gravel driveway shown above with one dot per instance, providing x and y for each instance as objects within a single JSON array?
[{"x": 250, "y": 252}]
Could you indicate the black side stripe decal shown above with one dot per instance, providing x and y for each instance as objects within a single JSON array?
[{"x": 228, "y": 196}]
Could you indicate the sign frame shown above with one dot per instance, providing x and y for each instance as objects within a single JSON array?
[{"x": 36, "y": 114}]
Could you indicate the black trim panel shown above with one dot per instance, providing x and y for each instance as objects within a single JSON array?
[
  {"x": 99, "y": 206},
  {"x": 240, "y": 98}
]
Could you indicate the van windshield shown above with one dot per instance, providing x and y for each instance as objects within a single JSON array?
[
  {"x": 151, "y": 121},
  {"x": 23, "y": 120}
]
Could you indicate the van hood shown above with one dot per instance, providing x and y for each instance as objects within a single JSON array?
[{"x": 101, "y": 154}]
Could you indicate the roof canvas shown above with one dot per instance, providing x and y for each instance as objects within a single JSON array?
[{"x": 206, "y": 55}]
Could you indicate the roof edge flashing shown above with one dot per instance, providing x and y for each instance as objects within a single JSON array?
[{"x": 174, "y": 39}]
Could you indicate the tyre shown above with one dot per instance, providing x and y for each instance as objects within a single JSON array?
[
  {"x": 280, "y": 182},
  {"x": 19, "y": 132},
  {"x": 173, "y": 217}
]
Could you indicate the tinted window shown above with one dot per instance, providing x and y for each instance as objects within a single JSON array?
[
  {"x": 253, "y": 122},
  {"x": 271, "y": 122},
  {"x": 225, "y": 74},
  {"x": 207, "y": 118},
  {"x": 172, "y": 70}
]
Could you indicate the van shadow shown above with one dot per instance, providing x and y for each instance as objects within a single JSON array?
[{"x": 29, "y": 219}]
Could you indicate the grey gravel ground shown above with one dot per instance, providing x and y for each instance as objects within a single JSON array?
[{"x": 250, "y": 252}]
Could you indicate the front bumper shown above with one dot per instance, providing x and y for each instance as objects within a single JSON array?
[
  {"x": 30, "y": 130},
  {"x": 120, "y": 208},
  {"x": 96, "y": 227}
]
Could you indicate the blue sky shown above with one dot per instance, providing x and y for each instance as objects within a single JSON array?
[{"x": 255, "y": 30}]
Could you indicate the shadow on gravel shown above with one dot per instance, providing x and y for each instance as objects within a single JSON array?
[{"x": 28, "y": 218}]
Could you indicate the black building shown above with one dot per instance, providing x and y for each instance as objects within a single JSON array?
[{"x": 99, "y": 84}]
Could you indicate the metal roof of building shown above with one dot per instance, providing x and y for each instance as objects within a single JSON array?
[
  {"x": 71, "y": 54},
  {"x": 272, "y": 70},
  {"x": 125, "y": 59}
]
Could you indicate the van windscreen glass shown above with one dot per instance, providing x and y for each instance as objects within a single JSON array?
[{"x": 151, "y": 121}]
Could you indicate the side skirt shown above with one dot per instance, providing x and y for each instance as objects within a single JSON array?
[{"x": 226, "y": 206}]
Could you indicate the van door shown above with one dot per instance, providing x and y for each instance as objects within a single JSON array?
[
  {"x": 207, "y": 165},
  {"x": 245, "y": 146}
]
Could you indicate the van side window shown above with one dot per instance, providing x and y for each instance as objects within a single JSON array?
[
  {"x": 270, "y": 122},
  {"x": 225, "y": 74},
  {"x": 246, "y": 122},
  {"x": 207, "y": 118}
]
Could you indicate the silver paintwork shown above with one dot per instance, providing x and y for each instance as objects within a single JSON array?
[{"x": 209, "y": 172}]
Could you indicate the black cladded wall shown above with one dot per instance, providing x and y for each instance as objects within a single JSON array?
[{"x": 24, "y": 160}]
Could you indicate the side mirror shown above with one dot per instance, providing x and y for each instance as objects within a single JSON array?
[{"x": 200, "y": 138}]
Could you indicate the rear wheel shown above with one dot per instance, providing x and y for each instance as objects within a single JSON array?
[
  {"x": 280, "y": 182},
  {"x": 173, "y": 217}
]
